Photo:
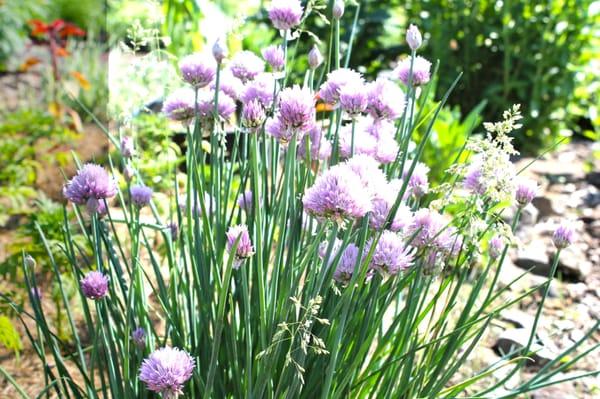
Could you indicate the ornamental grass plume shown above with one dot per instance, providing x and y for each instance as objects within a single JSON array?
[
  {"x": 166, "y": 370},
  {"x": 365, "y": 275}
]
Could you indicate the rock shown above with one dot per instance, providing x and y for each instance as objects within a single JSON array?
[
  {"x": 548, "y": 206},
  {"x": 593, "y": 229},
  {"x": 529, "y": 216},
  {"x": 577, "y": 290},
  {"x": 515, "y": 339},
  {"x": 524, "y": 281},
  {"x": 572, "y": 264},
  {"x": 517, "y": 318},
  {"x": 593, "y": 178},
  {"x": 562, "y": 391},
  {"x": 533, "y": 258}
]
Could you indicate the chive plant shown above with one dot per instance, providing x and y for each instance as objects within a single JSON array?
[{"x": 312, "y": 259}]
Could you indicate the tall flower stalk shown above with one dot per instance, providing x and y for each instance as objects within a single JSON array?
[{"x": 292, "y": 266}]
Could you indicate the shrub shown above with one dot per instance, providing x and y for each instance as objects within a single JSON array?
[
  {"x": 511, "y": 52},
  {"x": 331, "y": 270}
]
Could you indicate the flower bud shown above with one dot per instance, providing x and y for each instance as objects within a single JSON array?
[
  {"x": 128, "y": 172},
  {"x": 29, "y": 261},
  {"x": 413, "y": 37},
  {"x": 219, "y": 51},
  {"x": 314, "y": 57},
  {"x": 127, "y": 147},
  {"x": 338, "y": 9}
]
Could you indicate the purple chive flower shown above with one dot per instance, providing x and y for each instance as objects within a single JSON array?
[
  {"x": 338, "y": 9},
  {"x": 229, "y": 85},
  {"x": 364, "y": 143},
  {"x": 219, "y": 50},
  {"x": 425, "y": 227},
  {"x": 367, "y": 168},
  {"x": 383, "y": 202},
  {"x": 246, "y": 201},
  {"x": 244, "y": 245},
  {"x": 337, "y": 194},
  {"x": 198, "y": 70},
  {"x": 474, "y": 180},
  {"x": 320, "y": 147},
  {"x": 127, "y": 149},
  {"x": 274, "y": 56},
  {"x": 89, "y": 186},
  {"x": 179, "y": 105},
  {"x": 418, "y": 182},
  {"x": 245, "y": 65},
  {"x": 526, "y": 191},
  {"x": 564, "y": 235},
  {"x": 277, "y": 129},
  {"x": 141, "y": 195},
  {"x": 166, "y": 370},
  {"x": 138, "y": 337},
  {"x": 296, "y": 109},
  {"x": 495, "y": 246},
  {"x": 449, "y": 241},
  {"x": 348, "y": 262},
  {"x": 260, "y": 89},
  {"x": 314, "y": 57},
  {"x": 390, "y": 255},
  {"x": 253, "y": 115},
  {"x": 173, "y": 230},
  {"x": 94, "y": 285},
  {"x": 102, "y": 208},
  {"x": 385, "y": 100},
  {"x": 329, "y": 91},
  {"x": 353, "y": 98},
  {"x": 206, "y": 105},
  {"x": 285, "y": 14},
  {"x": 387, "y": 149},
  {"x": 421, "y": 71},
  {"x": 413, "y": 37}
]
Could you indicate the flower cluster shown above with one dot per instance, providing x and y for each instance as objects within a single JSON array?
[
  {"x": 166, "y": 370},
  {"x": 91, "y": 186}
]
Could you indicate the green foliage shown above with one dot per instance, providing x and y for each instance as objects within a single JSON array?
[
  {"x": 9, "y": 337},
  {"x": 49, "y": 215},
  {"x": 13, "y": 26},
  {"x": 510, "y": 52},
  {"x": 87, "y": 14},
  {"x": 159, "y": 155},
  {"x": 88, "y": 59},
  {"x": 26, "y": 138},
  {"x": 449, "y": 133}
]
